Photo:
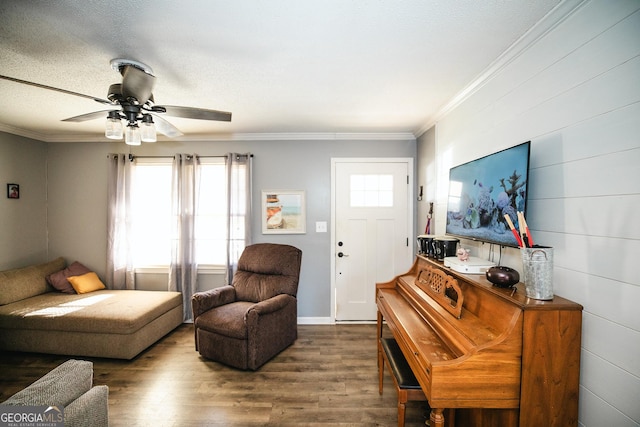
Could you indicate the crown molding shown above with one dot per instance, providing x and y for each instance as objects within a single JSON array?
[
  {"x": 282, "y": 136},
  {"x": 305, "y": 136},
  {"x": 550, "y": 21},
  {"x": 22, "y": 132}
]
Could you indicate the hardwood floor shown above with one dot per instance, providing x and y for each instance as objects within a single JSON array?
[{"x": 327, "y": 378}]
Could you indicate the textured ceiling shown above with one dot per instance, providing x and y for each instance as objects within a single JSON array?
[{"x": 281, "y": 67}]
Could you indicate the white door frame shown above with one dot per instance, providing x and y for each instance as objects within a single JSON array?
[{"x": 410, "y": 207}]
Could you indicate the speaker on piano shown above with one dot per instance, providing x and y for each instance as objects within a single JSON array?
[
  {"x": 444, "y": 246},
  {"x": 425, "y": 245}
]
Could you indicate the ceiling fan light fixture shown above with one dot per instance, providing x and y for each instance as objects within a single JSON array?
[
  {"x": 113, "y": 126},
  {"x": 118, "y": 64},
  {"x": 132, "y": 135},
  {"x": 148, "y": 129}
]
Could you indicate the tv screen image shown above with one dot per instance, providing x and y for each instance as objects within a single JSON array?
[{"x": 482, "y": 191}]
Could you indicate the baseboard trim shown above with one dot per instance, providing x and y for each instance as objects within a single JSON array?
[
  {"x": 315, "y": 321},
  {"x": 330, "y": 321}
]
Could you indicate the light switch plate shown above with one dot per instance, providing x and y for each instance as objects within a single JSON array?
[{"x": 321, "y": 227}]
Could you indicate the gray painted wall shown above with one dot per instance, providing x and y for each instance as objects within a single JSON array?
[{"x": 23, "y": 221}]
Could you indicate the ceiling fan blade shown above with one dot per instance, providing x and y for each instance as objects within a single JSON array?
[
  {"x": 164, "y": 127},
  {"x": 197, "y": 113},
  {"x": 89, "y": 116},
  {"x": 68, "y": 92},
  {"x": 137, "y": 84}
]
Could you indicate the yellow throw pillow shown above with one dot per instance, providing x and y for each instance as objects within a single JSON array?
[{"x": 84, "y": 283}]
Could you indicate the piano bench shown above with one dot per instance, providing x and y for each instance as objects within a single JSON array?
[{"x": 407, "y": 385}]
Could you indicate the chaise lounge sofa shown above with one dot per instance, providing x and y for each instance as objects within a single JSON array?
[{"x": 35, "y": 317}]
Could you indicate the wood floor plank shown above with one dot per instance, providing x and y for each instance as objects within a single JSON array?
[{"x": 328, "y": 377}]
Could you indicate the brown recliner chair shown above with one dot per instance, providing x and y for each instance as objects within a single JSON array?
[{"x": 256, "y": 317}]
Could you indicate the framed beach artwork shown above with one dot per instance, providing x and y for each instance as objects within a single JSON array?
[{"x": 283, "y": 212}]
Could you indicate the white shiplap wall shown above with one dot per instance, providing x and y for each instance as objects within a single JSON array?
[{"x": 575, "y": 93}]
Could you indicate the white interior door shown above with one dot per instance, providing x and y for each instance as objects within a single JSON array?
[{"x": 371, "y": 230}]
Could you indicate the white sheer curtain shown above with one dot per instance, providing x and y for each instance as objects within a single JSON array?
[
  {"x": 120, "y": 273},
  {"x": 183, "y": 270},
  {"x": 238, "y": 168}
]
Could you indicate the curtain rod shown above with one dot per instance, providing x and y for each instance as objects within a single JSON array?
[{"x": 132, "y": 156}]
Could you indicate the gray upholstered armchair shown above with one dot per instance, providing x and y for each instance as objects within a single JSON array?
[{"x": 250, "y": 321}]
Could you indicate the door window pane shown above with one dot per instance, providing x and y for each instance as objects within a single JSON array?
[{"x": 371, "y": 190}]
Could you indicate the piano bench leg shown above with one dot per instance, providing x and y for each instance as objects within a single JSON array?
[
  {"x": 380, "y": 369},
  {"x": 402, "y": 407},
  {"x": 389, "y": 354}
]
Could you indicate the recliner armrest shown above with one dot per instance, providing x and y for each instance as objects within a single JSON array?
[
  {"x": 272, "y": 304},
  {"x": 204, "y": 301}
]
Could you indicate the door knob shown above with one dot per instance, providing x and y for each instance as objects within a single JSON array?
[{"x": 340, "y": 255}]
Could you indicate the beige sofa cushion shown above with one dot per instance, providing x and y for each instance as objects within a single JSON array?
[
  {"x": 105, "y": 311},
  {"x": 21, "y": 283}
]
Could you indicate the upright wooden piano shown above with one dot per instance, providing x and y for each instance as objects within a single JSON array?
[{"x": 484, "y": 355}]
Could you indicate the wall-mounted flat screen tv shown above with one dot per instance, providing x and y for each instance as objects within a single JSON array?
[{"x": 482, "y": 191}]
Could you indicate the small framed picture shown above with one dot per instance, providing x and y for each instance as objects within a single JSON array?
[
  {"x": 13, "y": 191},
  {"x": 283, "y": 212}
]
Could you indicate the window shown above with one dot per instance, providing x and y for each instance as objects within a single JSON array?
[
  {"x": 211, "y": 219},
  {"x": 151, "y": 218},
  {"x": 371, "y": 190}
]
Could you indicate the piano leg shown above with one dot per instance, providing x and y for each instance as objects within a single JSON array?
[{"x": 436, "y": 417}]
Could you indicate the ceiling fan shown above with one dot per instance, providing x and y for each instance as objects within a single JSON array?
[{"x": 132, "y": 101}]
